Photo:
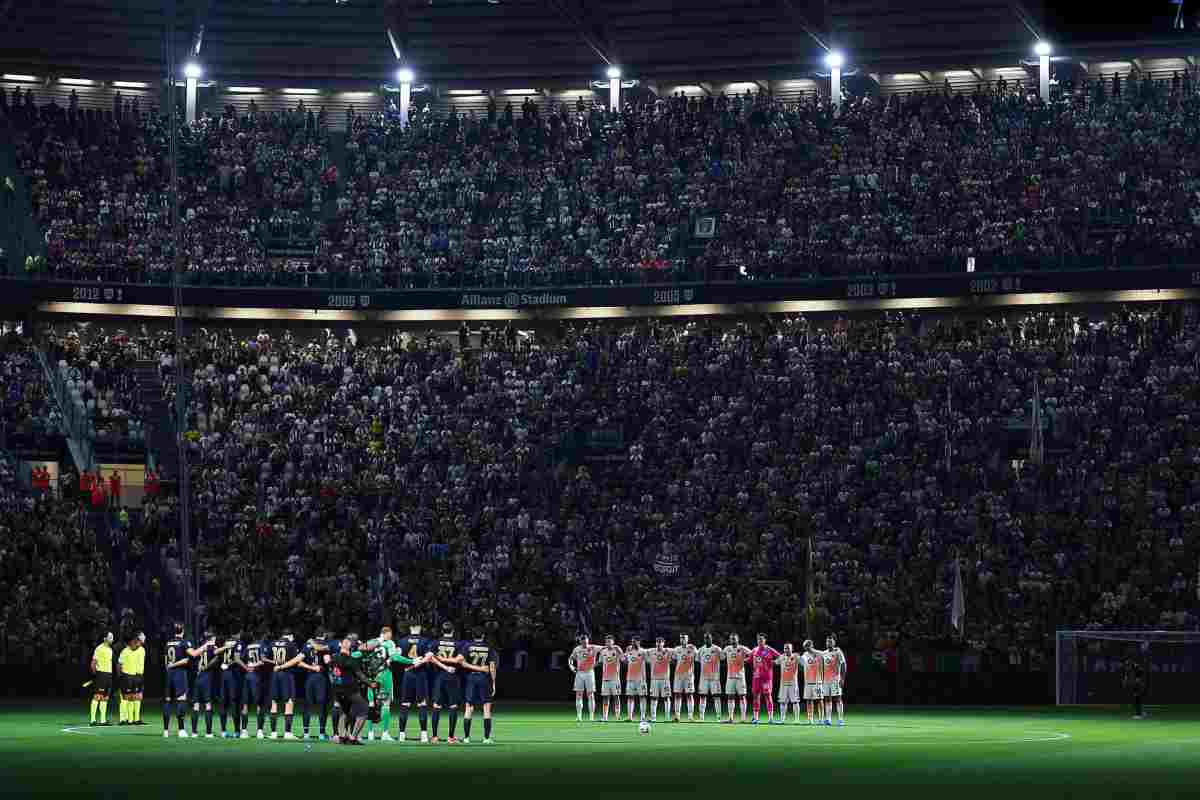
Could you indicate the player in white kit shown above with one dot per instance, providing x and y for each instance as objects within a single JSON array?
[
  {"x": 684, "y": 657},
  {"x": 834, "y": 662},
  {"x": 710, "y": 675},
  {"x": 635, "y": 677},
  {"x": 660, "y": 676},
  {"x": 583, "y": 663},
  {"x": 611, "y": 657},
  {"x": 789, "y": 683},
  {"x": 736, "y": 656},
  {"x": 812, "y": 661}
]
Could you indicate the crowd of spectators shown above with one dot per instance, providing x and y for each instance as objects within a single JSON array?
[
  {"x": 100, "y": 183},
  {"x": 1103, "y": 175},
  {"x": 98, "y": 379},
  {"x": 339, "y": 480}
]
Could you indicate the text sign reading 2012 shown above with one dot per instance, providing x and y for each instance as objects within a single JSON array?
[{"x": 97, "y": 294}]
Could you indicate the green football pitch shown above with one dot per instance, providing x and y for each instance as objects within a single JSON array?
[{"x": 540, "y": 749}]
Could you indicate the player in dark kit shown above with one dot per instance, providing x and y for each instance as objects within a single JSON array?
[
  {"x": 447, "y": 686},
  {"x": 208, "y": 681},
  {"x": 254, "y": 686},
  {"x": 231, "y": 683},
  {"x": 415, "y": 685},
  {"x": 316, "y": 681},
  {"x": 284, "y": 655},
  {"x": 177, "y": 656},
  {"x": 349, "y": 682},
  {"x": 480, "y": 663}
]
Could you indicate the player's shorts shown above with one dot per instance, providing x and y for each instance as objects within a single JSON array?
[
  {"x": 132, "y": 684},
  {"x": 789, "y": 693},
  {"x": 660, "y": 687},
  {"x": 736, "y": 685},
  {"x": 585, "y": 682},
  {"x": 760, "y": 686},
  {"x": 231, "y": 688},
  {"x": 102, "y": 682},
  {"x": 283, "y": 687},
  {"x": 685, "y": 684},
  {"x": 479, "y": 690},
  {"x": 252, "y": 689},
  {"x": 812, "y": 691},
  {"x": 202, "y": 691},
  {"x": 316, "y": 689},
  {"x": 635, "y": 688},
  {"x": 832, "y": 689},
  {"x": 610, "y": 688},
  {"x": 385, "y": 691},
  {"x": 177, "y": 684},
  {"x": 710, "y": 685},
  {"x": 414, "y": 688},
  {"x": 447, "y": 690}
]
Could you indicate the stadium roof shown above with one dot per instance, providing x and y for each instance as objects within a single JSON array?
[{"x": 492, "y": 43}]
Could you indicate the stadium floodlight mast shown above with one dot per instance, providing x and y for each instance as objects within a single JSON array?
[
  {"x": 192, "y": 70},
  {"x": 406, "y": 76},
  {"x": 1043, "y": 49},
  {"x": 835, "y": 60},
  {"x": 614, "y": 88}
]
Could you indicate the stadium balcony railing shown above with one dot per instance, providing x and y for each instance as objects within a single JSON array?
[{"x": 1134, "y": 258}]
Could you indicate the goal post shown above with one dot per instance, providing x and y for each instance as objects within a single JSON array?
[{"x": 1089, "y": 665}]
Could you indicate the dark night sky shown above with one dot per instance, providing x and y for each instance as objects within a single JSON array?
[{"x": 1072, "y": 20}]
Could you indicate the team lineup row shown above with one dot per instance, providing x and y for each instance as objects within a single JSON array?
[
  {"x": 824, "y": 672},
  {"x": 274, "y": 673}
]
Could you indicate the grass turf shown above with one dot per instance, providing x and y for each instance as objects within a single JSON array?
[{"x": 48, "y": 749}]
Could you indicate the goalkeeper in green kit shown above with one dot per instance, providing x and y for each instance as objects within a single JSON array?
[{"x": 378, "y": 655}]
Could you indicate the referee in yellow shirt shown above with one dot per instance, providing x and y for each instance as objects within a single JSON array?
[
  {"x": 132, "y": 662},
  {"x": 102, "y": 664}
]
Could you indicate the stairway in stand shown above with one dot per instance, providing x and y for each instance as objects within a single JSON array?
[{"x": 160, "y": 427}]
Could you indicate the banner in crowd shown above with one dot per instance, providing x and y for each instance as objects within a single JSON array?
[{"x": 24, "y": 293}]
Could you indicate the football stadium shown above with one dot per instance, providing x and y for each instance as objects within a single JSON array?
[{"x": 581, "y": 397}]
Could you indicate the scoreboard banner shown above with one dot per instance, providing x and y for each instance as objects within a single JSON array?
[{"x": 19, "y": 292}]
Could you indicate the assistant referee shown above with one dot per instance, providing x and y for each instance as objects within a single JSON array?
[
  {"x": 102, "y": 662},
  {"x": 132, "y": 662}
]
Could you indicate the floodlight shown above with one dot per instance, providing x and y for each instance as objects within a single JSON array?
[
  {"x": 614, "y": 72},
  {"x": 1042, "y": 48},
  {"x": 835, "y": 59},
  {"x": 405, "y": 75},
  {"x": 192, "y": 70}
]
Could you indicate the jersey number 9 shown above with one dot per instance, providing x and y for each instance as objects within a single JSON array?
[{"x": 170, "y": 656}]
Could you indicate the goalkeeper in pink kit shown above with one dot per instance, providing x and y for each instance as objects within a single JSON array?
[{"x": 763, "y": 686}]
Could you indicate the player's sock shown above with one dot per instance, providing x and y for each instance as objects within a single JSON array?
[
  {"x": 770, "y": 709},
  {"x": 274, "y": 721},
  {"x": 437, "y": 717},
  {"x": 691, "y": 706},
  {"x": 261, "y": 717},
  {"x": 195, "y": 718},
  {"x": 631, "y": 708},
  {"x": 121, "y": 702},
  {"x": 137, "y": 710},
  {"x": 717, "y": 705},
  {"x": 208, "y": 720},
  {"x": 667, "y": 702},
  {"x": 103, "y": 711},
  {"x": 385, "y": 718},
  {"x": 323, "y": 716},
  {"x": 466, "y": 727},
  {"x": 168, "y": 712},
  {"x": 743, "y": 704},
  {"x": 703, "y": 705},
  {"x": 95, "y": 708},
  {"x": 403, "y": 715},
  {"x": 224, "y": 719},
  {"x": 757, "y": 705},
  {"x": 423, "y": 717},
  {"x": 287, "y": 723},
  {"x": 453, "y": 721},
  {"x": 181, "y": 713},
  {"x": 307, "y": 719},
  {"x": 578, "y": 707},
  {"x": 487, "y": 727}
]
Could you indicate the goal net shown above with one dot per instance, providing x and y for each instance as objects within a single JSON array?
[{"x": 1090, "y": 666}]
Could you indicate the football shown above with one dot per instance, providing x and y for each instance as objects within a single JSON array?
[{"x": 644, "y": 728}]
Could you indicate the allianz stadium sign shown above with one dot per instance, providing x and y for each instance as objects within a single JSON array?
[{"x": 514, "y": 300}]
